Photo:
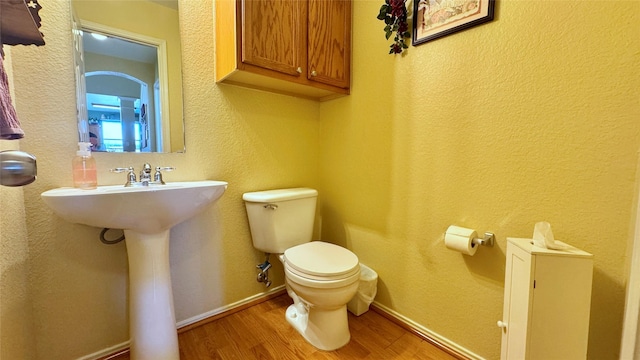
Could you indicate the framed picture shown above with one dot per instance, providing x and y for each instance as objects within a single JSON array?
[{"x": 434, "y": 19}]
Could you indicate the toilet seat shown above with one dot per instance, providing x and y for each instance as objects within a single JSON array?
[
  {"x": 321, "y": 264},
  {"x": 318, "y": 258}
]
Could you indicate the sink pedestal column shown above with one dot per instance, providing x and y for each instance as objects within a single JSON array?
[{"x": 152, "y": 320}]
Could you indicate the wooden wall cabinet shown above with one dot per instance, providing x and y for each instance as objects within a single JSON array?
[
  {"x": 547, "y": 302},
  {"x": 300, "y": 48}
]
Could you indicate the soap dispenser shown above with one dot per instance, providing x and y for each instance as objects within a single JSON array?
[{"x": 85, "y": 175}]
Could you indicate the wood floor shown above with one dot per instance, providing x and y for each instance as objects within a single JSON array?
[{"x": 261, "y": 332}]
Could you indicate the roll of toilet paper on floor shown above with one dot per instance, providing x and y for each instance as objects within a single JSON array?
[{"x": 461, "y": 239}]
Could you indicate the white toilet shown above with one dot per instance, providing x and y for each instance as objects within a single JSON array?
[{"x": 320, "y": 277}]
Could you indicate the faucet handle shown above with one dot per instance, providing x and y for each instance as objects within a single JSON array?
[
  {"x": 157, "y": 177},
  {"x": 131, "y": 176},
  {"x": 119, "y": 170}
]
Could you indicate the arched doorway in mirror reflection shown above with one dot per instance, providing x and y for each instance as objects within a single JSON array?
[{"x": 120, "y": 115}]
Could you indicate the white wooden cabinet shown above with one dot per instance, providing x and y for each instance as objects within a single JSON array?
[{"x": 547, "y": 301}]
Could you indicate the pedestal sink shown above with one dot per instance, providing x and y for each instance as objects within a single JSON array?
[{"x": 146, "y": 214}]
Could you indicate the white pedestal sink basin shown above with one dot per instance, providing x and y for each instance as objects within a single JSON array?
[{"x": 146, "y": 214}]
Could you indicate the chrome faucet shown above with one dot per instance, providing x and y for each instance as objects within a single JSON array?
[{"x": 145, "y": 175}]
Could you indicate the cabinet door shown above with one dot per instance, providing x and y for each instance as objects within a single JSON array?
[
  {"x": 329, "y": 42},
  {"x": 273, "y": 34},
  {"x": 517, "y": 299},
  {"x": 559, "y": 327}
]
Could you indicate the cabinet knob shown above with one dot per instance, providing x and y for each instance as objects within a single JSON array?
[
  {"x": 314, "y": 73},
  {"x": 299, "y": 70},
  {"x": 502, "y": 325}
]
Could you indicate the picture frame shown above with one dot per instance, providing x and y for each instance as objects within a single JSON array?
[{"x": 433, "y": 19}]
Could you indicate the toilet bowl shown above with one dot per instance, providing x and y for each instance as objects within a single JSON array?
[{"x": 320, "y": 277}]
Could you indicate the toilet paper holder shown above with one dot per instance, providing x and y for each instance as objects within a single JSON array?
[
  {"x": 488, "y": 240},
  {"x": 466, "y": 240}
]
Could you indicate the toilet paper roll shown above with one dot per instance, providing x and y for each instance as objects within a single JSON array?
[{"x": 461, "y": 239}]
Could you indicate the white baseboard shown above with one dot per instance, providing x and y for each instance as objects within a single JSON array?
[
  {"x": 392, "y": 313},
  {"x": 220, "y": 310},
  {"x": 192, "y": 320},
  {"x": 106, "y": 352},
  {"x": 428, "y": 333}
]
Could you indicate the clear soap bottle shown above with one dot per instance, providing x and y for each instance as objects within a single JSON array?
[{"x": 85, "y": 175}]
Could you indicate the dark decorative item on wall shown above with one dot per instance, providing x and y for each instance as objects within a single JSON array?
[
  {"x": 20, "y": 22},
  {"x": 434, "y": 19},
  {"x": 394, "y": 15}
]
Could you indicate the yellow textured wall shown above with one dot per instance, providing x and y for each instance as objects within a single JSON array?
[
  {"x": 254, "y": 140},
  {"x": 532, "y": 117},
  {"x": 15, "y": 306}
]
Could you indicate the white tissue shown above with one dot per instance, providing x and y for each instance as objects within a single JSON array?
[{"x": 543, "y": 236}]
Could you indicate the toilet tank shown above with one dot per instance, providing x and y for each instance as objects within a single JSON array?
[{"x": 280, "y": 219}]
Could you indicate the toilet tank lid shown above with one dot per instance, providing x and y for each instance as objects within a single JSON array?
[{"x": 279, "y": 195}]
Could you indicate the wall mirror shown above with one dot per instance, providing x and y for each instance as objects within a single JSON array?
[{"x": 128, "y": 66}]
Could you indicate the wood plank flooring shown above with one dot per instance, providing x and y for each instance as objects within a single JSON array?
[{"x": 261, "y": 332}]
